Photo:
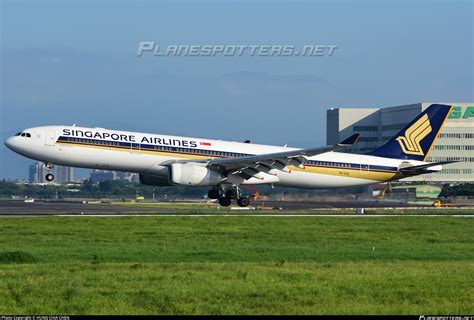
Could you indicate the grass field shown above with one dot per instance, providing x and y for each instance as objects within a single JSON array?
[
  {"x": 214, "y": 208},
  {"x": 236, "y": 265}
]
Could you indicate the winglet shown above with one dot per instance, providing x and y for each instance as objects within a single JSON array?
[{"x": 349, "y": 141}]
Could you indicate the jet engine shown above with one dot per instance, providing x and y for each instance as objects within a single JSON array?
[
  {"x": 155, "y": 180},
  {"x": 156, "y": 175},
  {"x": 194, "y": 175}
]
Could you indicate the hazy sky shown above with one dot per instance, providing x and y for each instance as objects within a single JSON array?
[{"x": 65, "y": 62}]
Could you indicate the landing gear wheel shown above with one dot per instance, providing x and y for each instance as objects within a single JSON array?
[
  {"x": 49, "y": 177},
  {"x": 225, "y": 202},
  {"x": 231, "y": 194},
  {"x": 243, "y": 202},
  {"x": 213, "y": 194}
]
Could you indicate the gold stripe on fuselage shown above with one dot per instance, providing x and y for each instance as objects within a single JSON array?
[
  {"x": 350, "y": 173},
  {"x": 375, "y": 175}
]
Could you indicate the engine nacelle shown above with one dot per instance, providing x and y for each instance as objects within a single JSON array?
[
  {"x": 155, "y": 180},
  {"x": 194, "y": 175}
]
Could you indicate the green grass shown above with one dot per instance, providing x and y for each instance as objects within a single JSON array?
[
  {"x": 236, "y": 265},
  {"x": 214, "y": 208}
]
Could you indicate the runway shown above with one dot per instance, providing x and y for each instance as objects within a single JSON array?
[
  {"x": 271, "y": 215},
  {"x": 262, "y": 215},
  {"x": 52, "y": 207},
  {"x": 9, "y": 208}
]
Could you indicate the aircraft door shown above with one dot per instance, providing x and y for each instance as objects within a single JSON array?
[{"x": 364, "y": 166}]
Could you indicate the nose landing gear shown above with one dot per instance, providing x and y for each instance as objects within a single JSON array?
[{"x": 49, "y": 176}]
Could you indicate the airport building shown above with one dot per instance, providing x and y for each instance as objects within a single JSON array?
[{"x": 377, "y": 125}]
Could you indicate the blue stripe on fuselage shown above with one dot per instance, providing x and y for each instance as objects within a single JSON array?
[{"x": 205, "y": 152}]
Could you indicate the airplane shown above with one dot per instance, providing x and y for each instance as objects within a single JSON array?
[{"x": 224, "y": 166}]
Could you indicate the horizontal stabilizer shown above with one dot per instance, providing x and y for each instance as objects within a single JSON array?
[{"x": 417, "y": 169}]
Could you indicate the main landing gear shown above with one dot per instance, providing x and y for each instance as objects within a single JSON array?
[
  {"x": 225, "y": 197},
  {"x": 49, "y": 176}
]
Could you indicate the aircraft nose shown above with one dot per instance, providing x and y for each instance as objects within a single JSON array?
[{"x": 9, "y": 143}]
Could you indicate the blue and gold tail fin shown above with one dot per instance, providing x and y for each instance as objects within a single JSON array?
[{"x": 415, "y": 140}]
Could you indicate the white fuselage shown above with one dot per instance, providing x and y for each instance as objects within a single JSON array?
[{"x": 99, "y": 148}]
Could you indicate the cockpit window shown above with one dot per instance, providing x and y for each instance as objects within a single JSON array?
[
  {"x": 24, "y": 134},
  {"x": 17, "y": 134}
]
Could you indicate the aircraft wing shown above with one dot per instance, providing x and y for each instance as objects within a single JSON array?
[{"x": 249, "y": 166}]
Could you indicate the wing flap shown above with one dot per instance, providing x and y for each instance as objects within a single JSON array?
[{"x": 278, "y": 160}]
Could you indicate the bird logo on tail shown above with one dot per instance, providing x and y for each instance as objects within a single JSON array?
[{"x": 410, "y": 143}]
